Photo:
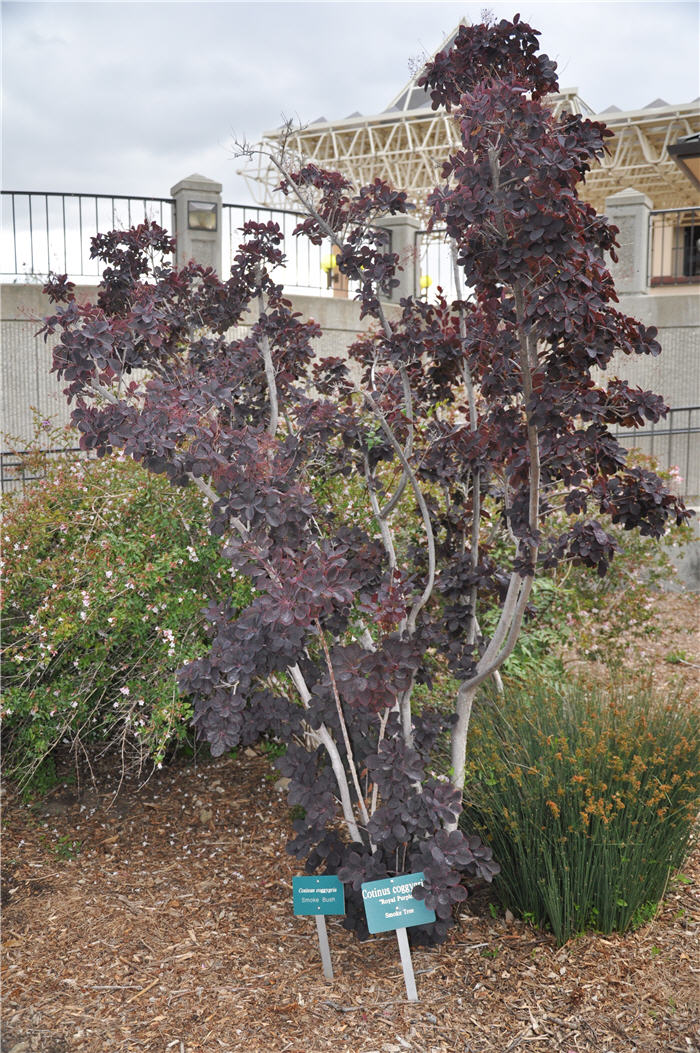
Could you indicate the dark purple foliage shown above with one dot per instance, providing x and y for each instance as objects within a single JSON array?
[{"x": 468, "y": 419}]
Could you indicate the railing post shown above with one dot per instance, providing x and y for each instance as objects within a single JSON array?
[
  {"x": 629, "y": 210},
  {"x": 198, "y": 221},
  {"x": 403, "y": 231}
]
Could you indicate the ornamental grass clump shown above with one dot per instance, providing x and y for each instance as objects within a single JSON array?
[{"x": 588, "y": 798}]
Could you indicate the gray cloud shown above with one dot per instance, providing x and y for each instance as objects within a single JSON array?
[{"x": 128, "y": 98}]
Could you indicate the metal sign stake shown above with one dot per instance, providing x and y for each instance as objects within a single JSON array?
[
  {"x": 390, "y": 904},
  {"x": 319, "y": 894},
  {"x": 405, "y": 952},
  {"x": 323, "y": 945}
]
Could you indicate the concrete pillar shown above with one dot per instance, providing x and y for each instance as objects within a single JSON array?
[
  {"x": 403, "y": 230},
  {"x": 198, "y": 221},
  {"x": 629, "y": 210}
]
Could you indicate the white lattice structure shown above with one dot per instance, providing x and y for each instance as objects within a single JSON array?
[
  {"x": 638, "y": 155},
  {"x": 406, "y": 144}
]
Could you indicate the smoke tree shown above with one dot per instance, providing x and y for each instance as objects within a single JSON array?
[{"x": 456, "y": 430}]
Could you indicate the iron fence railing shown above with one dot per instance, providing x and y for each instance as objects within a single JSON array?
[
  {"x": 674, "y": 443},
  {"x": 307, "y": 267},
  {"x": 51, "y": 231},
  {"x": 434, "y": 266},
  {"x": 674, "y": 247},
  {"x": 674, "y": 253},
  {"x": 18, "y": 468}
]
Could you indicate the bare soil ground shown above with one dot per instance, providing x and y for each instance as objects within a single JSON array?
[
  {"x": 667, "y": 649},
  {"x": 163, "y": 921}
]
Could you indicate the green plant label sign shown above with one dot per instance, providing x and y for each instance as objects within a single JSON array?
[
  {"x": 389, "y": 903},
  {"x": 318, "y": 895}
]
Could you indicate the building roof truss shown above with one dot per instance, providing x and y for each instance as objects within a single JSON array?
[{"x": 406, "y": 147}]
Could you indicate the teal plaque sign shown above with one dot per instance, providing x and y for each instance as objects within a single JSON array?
[
  {"x": 318, "y": 895},
  {"x": 389, "y": 904}
]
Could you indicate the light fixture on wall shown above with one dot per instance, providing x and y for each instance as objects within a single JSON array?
[
  {"x": 201, "y": 215},
  {"x": 329, "y": 266},
  {"x": 686, "y": 154}
]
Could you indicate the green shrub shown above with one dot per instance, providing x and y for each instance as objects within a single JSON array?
[
  {"x": 107, "y": 569},
  {"x": 602, "y": 616},
  {"x": 547, "y": 628},
  {"x": 587, "y": 797}
]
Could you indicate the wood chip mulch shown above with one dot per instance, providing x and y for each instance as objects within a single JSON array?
[
  {"x": 163, "y": 922},
  {"x": 666, "y": 649}
]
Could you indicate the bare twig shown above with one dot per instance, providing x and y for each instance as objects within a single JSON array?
[
  {"x": 375, "y": 788},
  {"x": 387, "y": 536},
  {"x": 323, "y": 736},
  {"x": 425, "y": 514},
  {"x": 143, "y": 991},
  {"x": 343, "y": 727},
  {"x": 269, "y": 374}
]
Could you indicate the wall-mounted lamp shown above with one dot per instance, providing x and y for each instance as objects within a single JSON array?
[
  {"x": 201, "y": 215},
  {"x": 686, "y": 154},
  {"x": 329, "y": 265}
]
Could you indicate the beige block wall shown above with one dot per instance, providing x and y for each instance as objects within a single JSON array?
[
  {"x": 25, "y": 359},
  {"x": 26, "y": 382},
  {"x": 674, "y": 374}
]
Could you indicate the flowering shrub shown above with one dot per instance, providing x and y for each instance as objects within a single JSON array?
[
  {"x": 587, "y": 797},
  {"x": 106, "y": 573}
]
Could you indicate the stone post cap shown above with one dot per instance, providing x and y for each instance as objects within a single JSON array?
[
  {"x": 401, "y": 219},
  {"x": 198, "y": 184},
  {"x": 629, "y": 196}
]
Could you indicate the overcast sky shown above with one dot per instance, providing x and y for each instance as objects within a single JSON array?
[{"x": 128, "y": 98}]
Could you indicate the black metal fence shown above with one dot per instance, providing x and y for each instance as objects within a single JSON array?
[
  {"x": 674, "y": 253},
  {"x": 674, "y": 247},
  {"x": 673, "y": 443},
  {"x": 43, "y": 232},
  {"x": 434, "y": 265},
  {"x": 20, "y": 468},
  {"x": 51, "y": 232},
  {"x": 307, "y": 268}
]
